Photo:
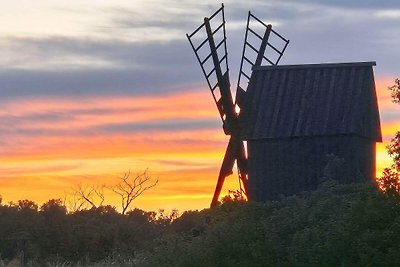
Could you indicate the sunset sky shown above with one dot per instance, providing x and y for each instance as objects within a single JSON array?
[{"x": 90, "y": 90}]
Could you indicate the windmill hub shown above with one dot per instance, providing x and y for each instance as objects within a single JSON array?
[{"x": 231, "y": 128}]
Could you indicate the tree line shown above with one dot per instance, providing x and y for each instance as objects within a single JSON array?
[{"x": 355, "y": 224}]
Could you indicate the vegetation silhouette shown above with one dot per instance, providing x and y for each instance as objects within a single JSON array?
[
  {"x": 390, "y": 180},
  {"x": 354, "y": 224},
  {"x": 395, "y": 91}
]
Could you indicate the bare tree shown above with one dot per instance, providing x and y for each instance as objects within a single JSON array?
[
  {"x": 130, "y": 187},
  {"x": 72, "y": 203},
  {"x": 86, "y": 196}
]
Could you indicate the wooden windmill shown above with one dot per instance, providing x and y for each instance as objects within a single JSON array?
[{"x": 209, "y": 44}]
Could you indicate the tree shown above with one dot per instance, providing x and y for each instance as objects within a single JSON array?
[
  {"x": 395, "y": 89},
  {"x": 26, "y": 204},
  {"x": 84, "y": 196},
  {"x": 390, "y": 183},
  {"x": 394, "y": 151},
  {"x": 234, "y": 196},
  {"x": 129, "y": 188},
  {"x": 54, "y": 207},
  {"x": 394, "y": 147},
  {"x": 390, "y": 180}
]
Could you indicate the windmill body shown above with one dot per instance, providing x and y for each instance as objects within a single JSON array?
[
  {"x": 302, "y": 123},
  {"x": 308, "y": 123}
]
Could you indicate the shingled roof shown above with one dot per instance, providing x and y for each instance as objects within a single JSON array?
[{"x": 312, "y": 99}]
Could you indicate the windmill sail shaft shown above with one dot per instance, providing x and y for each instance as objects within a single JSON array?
[
  {"x": 263, "y": 46},
  {"x": 222, "y": 79}
]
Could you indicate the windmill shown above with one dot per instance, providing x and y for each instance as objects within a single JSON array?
[{"x": 260, "y": 40}]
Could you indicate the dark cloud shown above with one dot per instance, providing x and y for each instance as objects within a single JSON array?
[
  {"x": 155, "y": 18},
  {"x": 10, "y": 172},
  {"x": 118, "y": 53},
  {"x": 160, "y": 126},
  {"x": 67, "y": 116},
  {"x": 86, "y": 83},
  {"x": 11, "y": 122},
  {"x": 390, "y": 115},
  {"x": 197, "y": 139},
  {"x": 135, "y": 69},
  {"x": 182, "y": 163},
  {"x": 372, "y": 4},
  {"x": 170, "y": 125}
]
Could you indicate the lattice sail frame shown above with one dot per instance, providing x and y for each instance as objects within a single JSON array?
[
  {"x": 204, "y": 59},
  {"x": 260, "y": 51}
]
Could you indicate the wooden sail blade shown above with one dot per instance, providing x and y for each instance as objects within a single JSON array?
[
  {"x": 226, "y": 169},
  {"x": 258, "y": 30},
  {"x": 213, "y": 59}
]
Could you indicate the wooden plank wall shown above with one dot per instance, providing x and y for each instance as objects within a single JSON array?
[{"x": 289, "y": 166}]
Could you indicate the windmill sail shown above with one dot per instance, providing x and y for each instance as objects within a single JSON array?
[
  {"x": 258, "y": 32},
  {"x": 215, "y": 67}
]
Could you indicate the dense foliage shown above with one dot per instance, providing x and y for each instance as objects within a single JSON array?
[
  {"x": 394, "y": 147},
  {"x": 50, "y": 234},
  {"x": 395, "y": 91},
  {"x": 390, "y": 180},
  {"x": 347, "y": 225}
]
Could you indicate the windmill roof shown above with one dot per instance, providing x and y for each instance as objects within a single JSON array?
[{"x": 311, "y": 99}]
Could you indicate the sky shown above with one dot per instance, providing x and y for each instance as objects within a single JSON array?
[{"x": 91, "y": 90}]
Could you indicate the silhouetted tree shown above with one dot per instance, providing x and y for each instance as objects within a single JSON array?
[
  {"x": 141, "y": 215},
  {"x": 129, "y": 188},
  {"x": 234, "y": 196},
  {"x": 164, "y": 218},
  {"x": 27, "y": 204},
  {"x": 395, "y": 89},
  {"x": 84, "y": 196},
  {"x": 394, "y": 151},
  {"x": 394, "y": 147},
  {"x": 389, "y": 182},
  {"x": 54, "y": 206}
]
